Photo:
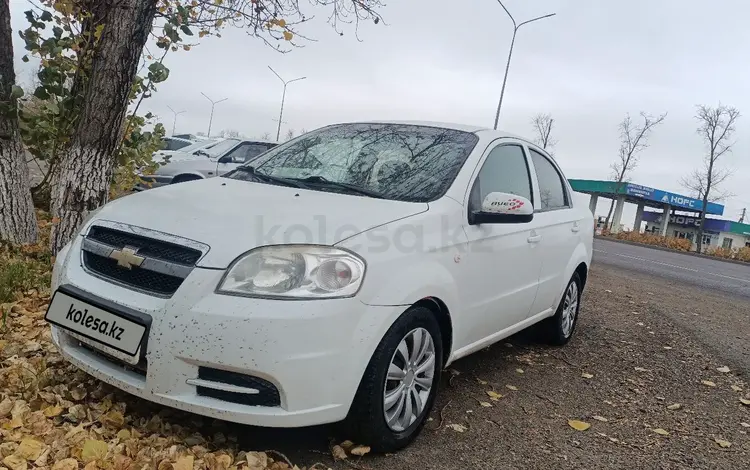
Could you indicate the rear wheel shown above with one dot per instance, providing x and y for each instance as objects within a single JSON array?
[
  {"x": 399, "y": 385},
  {"x": 559, "y": 329}
]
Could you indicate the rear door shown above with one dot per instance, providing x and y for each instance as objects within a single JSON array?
[{"x": 559, "y": 225}]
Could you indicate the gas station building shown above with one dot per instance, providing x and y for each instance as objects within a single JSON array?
[{"x": 717, "y": 232}]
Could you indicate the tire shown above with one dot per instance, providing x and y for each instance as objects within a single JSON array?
[
  {"x": 366, "y": 422},
  {"x": 183, "y": 178},
  {"x": 558, "y": 330}
]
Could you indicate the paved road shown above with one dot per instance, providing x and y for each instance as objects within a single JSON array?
[{"x": 677, "y": 267}]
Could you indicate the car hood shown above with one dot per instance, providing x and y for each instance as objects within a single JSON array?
[{"x": 233, "y": 216}]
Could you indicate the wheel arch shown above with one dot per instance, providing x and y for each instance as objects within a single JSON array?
[{"x": 442, "y": 314}]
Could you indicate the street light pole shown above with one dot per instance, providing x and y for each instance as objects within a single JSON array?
[
  {"x": 174, "y": 122},
  {"x": 516, "y": 27},
  {"x": 283, "y": 97},
  {"x": 211, "y": 119}
]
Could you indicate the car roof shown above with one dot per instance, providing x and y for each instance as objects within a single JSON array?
[{"x": 480, "y": 130}]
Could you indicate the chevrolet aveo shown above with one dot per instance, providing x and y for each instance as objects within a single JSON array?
[{"x": 330, "y": 279}]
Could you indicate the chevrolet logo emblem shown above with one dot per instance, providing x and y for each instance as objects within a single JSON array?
[{"x": 127, "y": 257}]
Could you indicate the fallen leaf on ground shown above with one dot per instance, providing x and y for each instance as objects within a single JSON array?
[
  {"x": 347, "y": 444},
  {"x": 607, "y": 291},
  {"x": 586, "y": 375},
  {"x": 259, "y": 460},
  {"x": 639, "y": 323},
  {"x": 30, "y": 449},
  {"x": 600, "y": 418},
  {"x": 69, "y": 464},
  {"x": 722, "y": 443},
  {"x": 723, "y": 369},
  {"x": 486, "y": 404},
  {"x": 15, "y": 462},
  {"x": 745, "y": 401},
  {"x": 661, "y": 432},
  {"x": 736, "y": 388},
  {"x": 94, "y": 450},
  {"x": 511, "y": 387},
  {"x": 674, "y": 406},
  {"x": 338, "y": 453},
  {"x": 745, "y": 425},
  {"x": 481, "y": 382},
  {"x": 457, "y": 427},
  {"x": 359, "y": 451},
  {"x": 667, "y": 347},
  {"x": 520, "y": 371},
  {"x": 52, "y": 411},
  {"x": 186, "y": 463},
  {"x": 494, "y": 396},
  {"x": 708, "y": 383},
  {"x": 578, "y": 425},
  {"x": 123, "y": 434}
]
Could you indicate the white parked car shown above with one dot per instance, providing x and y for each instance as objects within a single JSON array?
[
  {"x": 202, "y": 160},
  {"x": 331, "y": 279}
]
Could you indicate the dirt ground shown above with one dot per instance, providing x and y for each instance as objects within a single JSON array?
[{"x": 658, "y": 371}]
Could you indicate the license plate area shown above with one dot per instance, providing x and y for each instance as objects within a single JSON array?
[{"x": 106, "y": 326}]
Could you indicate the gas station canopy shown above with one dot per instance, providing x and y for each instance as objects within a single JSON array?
[{"x": 638, "y": 194}]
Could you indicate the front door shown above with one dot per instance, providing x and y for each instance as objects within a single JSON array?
[{"x": 504, "y": 258}]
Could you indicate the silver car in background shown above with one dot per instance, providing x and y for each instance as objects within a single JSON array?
[{"x": 202, "y": 161}]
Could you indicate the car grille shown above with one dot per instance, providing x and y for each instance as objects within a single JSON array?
[
  {"x": 141, "y": 279},
  {"x": 163, "y": 268},
  {"x": 268, "y": 396},
  {"x": 148, "y": 247}
]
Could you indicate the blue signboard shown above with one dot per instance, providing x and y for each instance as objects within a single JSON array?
[
  {"x": 675, "y": 200},
  {"x": 714, "y": 225}
]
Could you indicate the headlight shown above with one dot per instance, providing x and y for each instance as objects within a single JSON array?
[{"x": 294, "y": 272}]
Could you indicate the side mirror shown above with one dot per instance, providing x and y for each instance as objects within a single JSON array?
[
  {"x": 226, "y": 159},
  {"x": 503, "y": 208}
]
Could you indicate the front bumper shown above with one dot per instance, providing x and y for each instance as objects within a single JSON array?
[{"x": 313, "y": 352}]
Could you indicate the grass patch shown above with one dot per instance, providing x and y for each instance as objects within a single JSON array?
[{"x": 26, "y": 267}]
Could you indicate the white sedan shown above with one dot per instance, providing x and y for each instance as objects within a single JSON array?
[{"x": 331, "y": 279}]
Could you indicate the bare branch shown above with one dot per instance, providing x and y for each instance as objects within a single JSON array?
[{"x": 543, "y": 125}]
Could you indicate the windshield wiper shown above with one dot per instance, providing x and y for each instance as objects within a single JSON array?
[
  {"x": 352, "y": 188},
  {"x": 269, "y": 178},
  {"x": 201, "y": 152}
]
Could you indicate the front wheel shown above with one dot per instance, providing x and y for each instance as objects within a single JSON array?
[
  {"x": 399, "y": 385},
  {"x": 559, "y": 329}
]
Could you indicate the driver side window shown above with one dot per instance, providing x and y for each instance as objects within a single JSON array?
[
  {"x": 246, "y": 151},
  {"x": 504, "y": 170}
]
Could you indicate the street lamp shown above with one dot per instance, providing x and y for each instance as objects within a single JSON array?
[
  {"x": 174, "y": 122},
  {"x": 211, "y": 119},
  {"x": 510, "y": 54},
  {"x": 283, "y": 96}
]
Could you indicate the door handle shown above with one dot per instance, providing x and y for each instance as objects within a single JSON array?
[
  {"x": 575, "y": 228},
  {"x": 534, "y": 239}
]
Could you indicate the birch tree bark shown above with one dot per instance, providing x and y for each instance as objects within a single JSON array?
[
  {"x": 17, "y": 219},
  {"x": 85, "y": 173}
]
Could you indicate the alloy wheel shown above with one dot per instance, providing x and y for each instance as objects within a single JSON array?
[{"x": 570, "y": 309}]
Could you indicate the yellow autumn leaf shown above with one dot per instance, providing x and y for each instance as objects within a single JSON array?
[
  {"x": 586, "y": 375},
  {"x": 494, "y": 396},
  {"x": 123, "y": 434},
  {"x": 15, "y": 462},
  {"x": 485, "y": 404},
  {"x": 722, "y": 443},
  {"x": 578, "y": 425},
  {"x": 708, "y": 383},
  {"x": 511, "y": 387},
  {"x": 94, "y": 450},
  {"x": 114, "y": 418},
  {"x": 745, "y": 401},
  {"x": 736, "y": 388},
  {"x": 360, "y": 450},
  {"x": 661, "y": 432},
  {"x": 457, "y": 427},
  {"x": 30, "y": 449},
  {"x": 674, "y": 406},
  {"x": 281, "y": 23},
  {"x": 183, "y": 463},
  {"x": 52, "y": 411},
  {"x": 256, "y": 460},
  {"x": 186, "y": 47},
  {"x": 338, "y": 453},
  {"x": 66, "y": 464},
  {"x": 481, "y": 382},
  {"x": 202, "y": 33},
  {"x": 288, "y": 36}
]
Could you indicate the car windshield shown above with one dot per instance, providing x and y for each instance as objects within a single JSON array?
[
  {"x": 394, "y": 161},
  {"x": 220, "y": 148}
]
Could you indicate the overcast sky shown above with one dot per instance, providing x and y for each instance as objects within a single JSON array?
[{"x": 443, "y": 60}]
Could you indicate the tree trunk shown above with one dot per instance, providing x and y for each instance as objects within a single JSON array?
[
  {"x": 705, "y": 202},
  {"x": 17, "y": 219},
  {"x": 85, "y": 174}
]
